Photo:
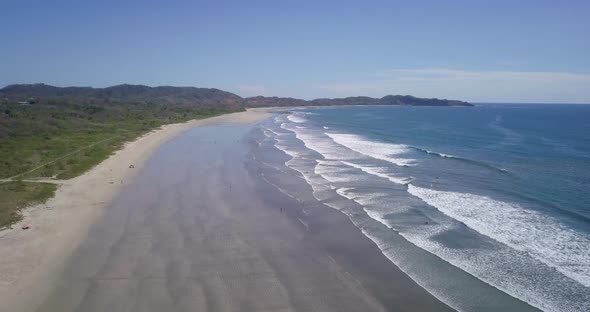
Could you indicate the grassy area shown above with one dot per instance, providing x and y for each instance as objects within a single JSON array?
[
  {"x": 17, "y": 195},
  {"x": 66, "y": 140},
  {"x": 63, "y": 139}
]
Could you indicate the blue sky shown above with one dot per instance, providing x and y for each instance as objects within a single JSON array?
[{"x": 483, "y": 51}]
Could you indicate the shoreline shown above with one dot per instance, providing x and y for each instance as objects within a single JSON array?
[
  {"x": 373, "y": 204},
  {"x": 344, "y": 243},
  {"x": 201, "y": 229},
  {"x": 32, "y": 258}
]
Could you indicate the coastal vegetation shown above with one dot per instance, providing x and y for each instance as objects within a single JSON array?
[
  {"x": 18, "y": 194},
  {"x": 49, "y": 132}
]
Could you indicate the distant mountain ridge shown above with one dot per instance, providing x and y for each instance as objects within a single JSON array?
[
  {"x": 407, "y": 100},
  {"x": 125, "y": 93},
  {"x": 202, "y": 97}
]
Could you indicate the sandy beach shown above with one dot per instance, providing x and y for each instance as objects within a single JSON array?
[
  {"x": 195, "y": 227},
  {"x": 31, "y": 258}
]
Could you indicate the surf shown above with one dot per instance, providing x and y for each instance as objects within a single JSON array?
[{"x": 541, "y": 236}]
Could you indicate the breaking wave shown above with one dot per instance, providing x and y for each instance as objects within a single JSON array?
[
  {"x": 541, "y": 236},
  {"x": 378, "y": 150}
]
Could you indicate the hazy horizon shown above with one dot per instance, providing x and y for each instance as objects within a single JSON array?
[{"x": 525, "y": 52}]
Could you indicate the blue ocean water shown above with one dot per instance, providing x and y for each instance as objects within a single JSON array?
[{"x": 497, "y": 191}]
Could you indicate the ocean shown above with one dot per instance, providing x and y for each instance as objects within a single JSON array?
[{"x": 478, "y": 205}]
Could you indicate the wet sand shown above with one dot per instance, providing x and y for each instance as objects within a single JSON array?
[
  {"x": 200, "y": 230},
  {"x": 30, "y": 259}
]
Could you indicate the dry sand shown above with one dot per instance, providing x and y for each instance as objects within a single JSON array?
[
  {"x": 30, "y": 259},
  {"x": 197, "y": 227},
  {"x": 197, "y": 232}
]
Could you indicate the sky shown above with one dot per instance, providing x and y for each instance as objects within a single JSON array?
[{"x": 479, "y": 51}]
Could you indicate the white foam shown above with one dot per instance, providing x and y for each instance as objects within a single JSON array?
[
  {"x": 439, "y": 154},
  {"x": 344, "y": 192},
  {"x": 319, "y": 143},
  {"x": 267, "y": 133},
  {"x": 276, "y": 134},
  {"x": 299, "y": 162},
  {"x": 541, "y": 236},
  {"x": 501, "y": 266},
  {"x": 378, "y": 150},
  {"x": 365, "y": 201},
  {"x": 333, "y": 171},
  {"x": 290, "y": 152},
  {"x": 295, "y": 118},
  {"x": 420, "y": 279},
  {"x": 379, "y": 172},
  {"x": 508, "y": 269}
]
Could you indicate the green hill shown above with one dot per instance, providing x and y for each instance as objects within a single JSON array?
[
  {"x": 39, "y": 122},
  {"x": 54, "y": 132}
]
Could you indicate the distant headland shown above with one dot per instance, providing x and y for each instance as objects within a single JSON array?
[{"x": 202, "y": 97}]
